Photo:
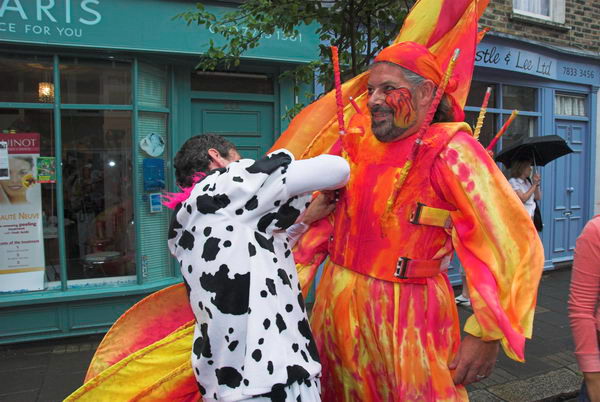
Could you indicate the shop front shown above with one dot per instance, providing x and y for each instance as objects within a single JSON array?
[
  {"x": 556, "y": 92},
  {"x": 95, "y": 99}
]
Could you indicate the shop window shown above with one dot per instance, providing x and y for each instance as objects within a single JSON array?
[
  {"x": 550, "y": 10},
  {"x": 503, "y": 100},
  {"x": 232, "y": 82},
  {"x": 28, "y": 228},
  {"x": 98, "y": 195},
  {"x": 154, "y": 224},
  {"x": 568, "y": 105},
  {"x": 520, "y": 98},
  {"x": 26, "y": 79},
  {"x": 93, "y": 81},
  {"x": 489, "y": 128},
  {"x": 152, "y": 85},
  {"x": 477, "y": 94},
  {"x": 521, "y": 127}
]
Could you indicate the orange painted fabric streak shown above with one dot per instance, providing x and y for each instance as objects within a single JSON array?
[
  {"x": 385, "y": 341},
  {"x": 496, "y": 242}
]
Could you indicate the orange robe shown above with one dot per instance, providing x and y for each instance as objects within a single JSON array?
[{"x": 382, "y": 338}]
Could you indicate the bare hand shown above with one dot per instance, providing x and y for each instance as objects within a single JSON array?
[
  {"x": 592, "y": 383},
  {"x": 536, "y": 179},
  {"x": 474, "y": 361},
  {"x": 320, "y": 207}
]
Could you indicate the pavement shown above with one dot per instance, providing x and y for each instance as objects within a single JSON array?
[{"x": 51, "y": 370}]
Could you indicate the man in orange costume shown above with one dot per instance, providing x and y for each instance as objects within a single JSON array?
[{"x": 384, "y": 318}]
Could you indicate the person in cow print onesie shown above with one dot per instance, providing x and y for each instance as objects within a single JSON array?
[{"x": 252, "y": 338}]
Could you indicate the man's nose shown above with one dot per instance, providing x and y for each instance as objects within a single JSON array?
[{"x": 376, "y": 98}]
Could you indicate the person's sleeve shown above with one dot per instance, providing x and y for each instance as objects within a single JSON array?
[
  {"x": 496, "y": 243},
  {"x": 295, "y": 231},
  {"x": 323, "y": 172},
  {"x": 583, "y": 297}
]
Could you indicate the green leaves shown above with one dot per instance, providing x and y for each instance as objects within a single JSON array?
[{"x": 359, "y": 28}]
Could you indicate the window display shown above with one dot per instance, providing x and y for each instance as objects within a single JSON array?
[
  {"x": 29, "y": 257},
  {"x": 97, "y": 170}
]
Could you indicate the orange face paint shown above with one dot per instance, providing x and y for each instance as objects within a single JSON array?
[{"x": 400, "y": 100}]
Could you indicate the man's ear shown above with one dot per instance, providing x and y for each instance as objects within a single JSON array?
[
  {"x": 427, "y": 91},
  {"x": 216, "y": 160}
]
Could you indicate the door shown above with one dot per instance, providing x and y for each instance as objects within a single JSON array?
[
  {"x": 568, "y": 191},
  {"x": 249, "y": 125}
]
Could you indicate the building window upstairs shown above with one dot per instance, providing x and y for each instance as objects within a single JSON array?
[{"x": 547, "y": 10}]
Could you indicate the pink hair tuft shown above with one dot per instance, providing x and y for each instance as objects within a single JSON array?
[{"x": 171, "y": 200}]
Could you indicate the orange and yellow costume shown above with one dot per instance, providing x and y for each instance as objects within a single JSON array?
[{"x": 384, "y": 318}]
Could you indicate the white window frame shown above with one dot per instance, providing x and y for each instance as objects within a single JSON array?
[{"x": 557, "y": 12}]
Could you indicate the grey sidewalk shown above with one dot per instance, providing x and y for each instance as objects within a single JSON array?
[{"x": 50, "y": 370}]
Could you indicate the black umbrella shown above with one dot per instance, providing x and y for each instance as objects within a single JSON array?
[{"x": 540, "y": 150}]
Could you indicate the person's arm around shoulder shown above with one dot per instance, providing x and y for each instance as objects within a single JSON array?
[{"x": 325, "y": 173}]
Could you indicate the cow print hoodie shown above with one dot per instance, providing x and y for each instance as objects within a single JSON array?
[{"x": 252, "y": 334}]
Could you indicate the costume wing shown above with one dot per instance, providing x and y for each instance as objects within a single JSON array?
[{"x": 146, "y": 353}]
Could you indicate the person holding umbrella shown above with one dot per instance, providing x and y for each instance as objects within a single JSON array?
[
  {"x": 520, "y": 157},
  {"x": 528, "y": 189}
]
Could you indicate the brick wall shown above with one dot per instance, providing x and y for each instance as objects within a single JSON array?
[{"x": 582, "y": 16}]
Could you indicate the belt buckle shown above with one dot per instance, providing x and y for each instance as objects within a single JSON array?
[
  {"x": 416, "y": 215},
  {"x": 401, "y": 267}
]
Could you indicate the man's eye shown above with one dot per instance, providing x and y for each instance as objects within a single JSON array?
[
  {"x": 389, "y": 89},
  {"x": 369, "y": 91}
]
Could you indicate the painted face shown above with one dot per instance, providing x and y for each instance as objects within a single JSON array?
[
  {"x": 14, "y": 187},
  {"x": 391, "y": 102},
  {"x": 401, "y": 101}
]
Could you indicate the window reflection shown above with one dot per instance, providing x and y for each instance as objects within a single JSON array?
[
  {"x": 488, "y": 130},
  {"x": 477, "y": 93},
  {"x": 520, "y": 98},
  {"x": 24, "y": 76},
  {"x": 521, "y": 127},
  {"x": 97, "y": 172},
  {"x": 95, "y": 81}
]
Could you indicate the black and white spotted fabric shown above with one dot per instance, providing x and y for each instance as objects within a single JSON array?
[{"x": 252, "y": 335}]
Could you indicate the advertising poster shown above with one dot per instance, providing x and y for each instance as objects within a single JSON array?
[
  {"x": 22, "y": 262},
  {"x": 3, "y": 160},
  {"x": 46, "y": 169}
]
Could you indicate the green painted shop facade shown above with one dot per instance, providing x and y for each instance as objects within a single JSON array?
[{"x": 97, "y": 80}]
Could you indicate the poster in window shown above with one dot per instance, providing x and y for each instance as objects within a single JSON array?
[
  {"x": 4, "y": 160},
  {"x": 22, "y": 264},
  {"x": 46, "y": 169}
]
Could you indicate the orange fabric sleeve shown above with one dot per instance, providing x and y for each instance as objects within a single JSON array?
[{"x": 496, "y": 243}]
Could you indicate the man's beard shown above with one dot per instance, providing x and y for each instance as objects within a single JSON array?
[{"x": 385, "y": 130}]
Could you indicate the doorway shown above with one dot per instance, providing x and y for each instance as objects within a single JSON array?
[
  {"x": 248, "y": 124},
  {"x": 568, "y": 191}
]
